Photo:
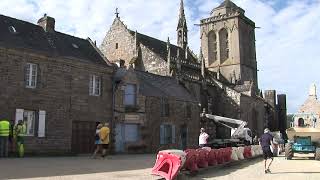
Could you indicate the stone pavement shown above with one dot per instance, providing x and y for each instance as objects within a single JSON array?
[{"x": 131, "y": 167}]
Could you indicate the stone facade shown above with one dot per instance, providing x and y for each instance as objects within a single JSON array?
[
  {"x": 223, "y": 78},
  {"x": 146, "y": 114},
  {"x": 228, "y": 44},
  {"x": 61, "y": 92}
]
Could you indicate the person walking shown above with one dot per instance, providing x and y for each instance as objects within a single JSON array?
[
  {"x": 19, "y": 132},
  {"x": 4, "y": 137},
  {"x": 203, "y": 138},
  {"x": 266, "y": 141},
  {"x": 98, "y": 145},
  {"x": 104, "y": 138}
]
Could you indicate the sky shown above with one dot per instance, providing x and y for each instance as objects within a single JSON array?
[{"x": 287, "y": 42}]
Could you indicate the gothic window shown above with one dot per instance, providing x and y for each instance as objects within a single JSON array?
[
  {"x": 224, "y": 45},
  {"x": 251, "y": 45},
  {"x": 212, "y": 47},
  {"x": 117, "y": 45}
]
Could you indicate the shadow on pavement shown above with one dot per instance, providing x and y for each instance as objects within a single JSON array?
[
  {"x": 16, "y": 168},
  {"x": 212, "y": 172}
]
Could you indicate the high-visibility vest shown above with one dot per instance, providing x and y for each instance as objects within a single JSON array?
[
  {"x": 4, "y": 128},
  {"x": 19, "y": 130}
]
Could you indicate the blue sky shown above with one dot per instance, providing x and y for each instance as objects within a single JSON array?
[{"x": 287, "y": 42}]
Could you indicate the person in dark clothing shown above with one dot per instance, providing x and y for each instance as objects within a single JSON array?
[{"x": 266, "y": 141}]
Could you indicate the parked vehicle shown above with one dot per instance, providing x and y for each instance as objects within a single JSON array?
[
  {"x": 240, "y": 135},
  {"x": 303, "y": 140}
]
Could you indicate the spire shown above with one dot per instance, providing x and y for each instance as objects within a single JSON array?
[
  {"x": 181, "y": 11},
  {"x": 313, "y": 91},
  {"x": 182, "y": 30}
]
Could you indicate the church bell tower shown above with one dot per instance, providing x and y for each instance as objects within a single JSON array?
[{"x": 228, "y": 44}]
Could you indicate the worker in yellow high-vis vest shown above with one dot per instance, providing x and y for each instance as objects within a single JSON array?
[
  {"x": 4, "y": 137},
  {"x": 19, "y": 132}
]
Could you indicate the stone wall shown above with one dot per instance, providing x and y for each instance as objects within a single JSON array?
[
  {"x": 119, "y": 36},
  {"x": 153, "y": 63},
  {"x": 62, "y": 91}
]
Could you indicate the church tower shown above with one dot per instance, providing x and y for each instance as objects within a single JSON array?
[
  {"x": 182, "y": 30},
  {"x": 228, "y": 44}
]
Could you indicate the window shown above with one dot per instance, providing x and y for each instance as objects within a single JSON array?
[
  {"x": 212, "y": 47},
  {"x": 224, "y": 45},
  {"x": 167, "y": 134},
  {"x": 12, "y": 30},
  {"x": 130, "y": 95},
  {"x": 117, "y": 45},
  {"x": 164, "y": 107},
  {"x": 95, "y": 85},
  {"x": 31, "y": 75},
  {"x": 300, "y": 122},
  {"x": 29, "y": 118}
]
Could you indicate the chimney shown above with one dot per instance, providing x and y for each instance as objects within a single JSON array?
[{"x": 47, "y": 23}]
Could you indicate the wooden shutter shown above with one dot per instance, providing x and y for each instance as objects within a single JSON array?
[
  {"x": 173, "y": 134},
  {"x": 162, "y": 133},
  {"x": 91, "y": 85},
  {"x": 19, "y": 115},
  {"x": 42, "y": 124}
]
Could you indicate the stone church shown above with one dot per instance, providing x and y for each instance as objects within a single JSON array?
[
  {"x": 222, "y": 78},
  {"x": 150, "y": 91},
  {"x": 309, "y": 112}
]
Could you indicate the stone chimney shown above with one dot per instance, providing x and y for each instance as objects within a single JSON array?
[{"x": 47, "y": 23}]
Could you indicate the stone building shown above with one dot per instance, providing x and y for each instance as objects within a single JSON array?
[
  {"x": 309, "y": 112},
  {"x": 59, "y": 84},
  {"x": 223, "y": 78},
  {"x": 153, "y": 112}
]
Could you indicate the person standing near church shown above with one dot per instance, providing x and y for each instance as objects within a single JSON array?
[
  {"x": 203, "y": 138},
  {"x": 266, "y": 141},
  {"x": 104, "y": 138},
  {"x": 4, "y": 137}
]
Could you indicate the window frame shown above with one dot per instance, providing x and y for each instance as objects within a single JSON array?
[
  {"x": 95, "y": 85},
  {"x": 126, "y": 94},
  {"x": 167, "y": 134},
  {"x": 31, "y": 75},
  {"x": 165, "y": 107},
  {"x": 34, "y": 121}
]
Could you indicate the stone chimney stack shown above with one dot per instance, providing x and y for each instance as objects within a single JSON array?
[{"x": 47, "y": 23}]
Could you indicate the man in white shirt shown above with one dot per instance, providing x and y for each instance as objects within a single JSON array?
[{"x": 203, "y": 137}]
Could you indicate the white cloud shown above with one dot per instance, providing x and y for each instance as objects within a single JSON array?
[{"x": 287, "y": 43}]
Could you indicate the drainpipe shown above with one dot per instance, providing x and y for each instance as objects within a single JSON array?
[{"x": 112, "y": 140}]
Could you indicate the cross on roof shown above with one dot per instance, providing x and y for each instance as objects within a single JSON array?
[{"x": 117, "y": 13}]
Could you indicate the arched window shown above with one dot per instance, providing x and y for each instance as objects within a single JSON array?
[
  {"x": 212, "y": 47},
  {"x": 251, "y": 45},
  {"x": 300, "y": 122},
  {"x": 224, "y": 45}
]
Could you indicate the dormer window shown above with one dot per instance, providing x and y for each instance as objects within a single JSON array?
[
  {"x": 75, "y": 46},
  {"x": 12, "y": 29}
]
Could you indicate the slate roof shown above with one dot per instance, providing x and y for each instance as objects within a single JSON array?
[
  {"x": 227, "y": 4},
  {"x": 33, "y": 37},
  {"x": 160, "y": 47},
  {"x": 158, "y": 86}
]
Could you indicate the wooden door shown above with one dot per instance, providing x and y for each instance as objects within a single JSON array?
[{"x": 83, "y": 137}]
